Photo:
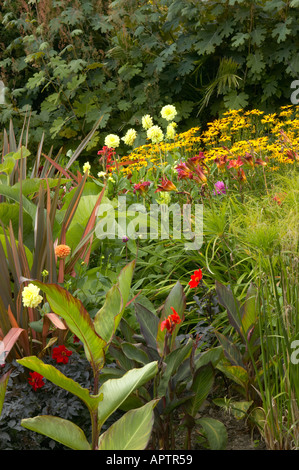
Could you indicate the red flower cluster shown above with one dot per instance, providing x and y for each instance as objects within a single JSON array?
[
  {"x": 170, "y": 322},
  {"x": 61, "y": 354},
  {"x": 195, "y": 278},
  {"x": 107, "y": 154},
  {"x": 36, "y": 380}
]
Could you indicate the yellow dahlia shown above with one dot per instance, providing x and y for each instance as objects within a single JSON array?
[
  {"x": 147, "y": 122},
  {"x": 130, "y": 137},
  {"x": 168, "y": 112},
  {"x": 30, "y": 296},
  {"x": 112, "y": 141},
  {"x": 155, "y": 134}
]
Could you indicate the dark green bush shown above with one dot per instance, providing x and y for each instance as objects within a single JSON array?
[{"x": 75, "y": 62}]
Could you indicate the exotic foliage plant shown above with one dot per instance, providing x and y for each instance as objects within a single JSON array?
[{"x": 132, "y": 430}]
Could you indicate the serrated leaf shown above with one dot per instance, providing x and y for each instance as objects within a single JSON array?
[
  {"x": 239, "y": 39},
  {"x": 281, "y": 31},
  {"x": 256, "y": 62},
  {"x": 235, "y": 100}
]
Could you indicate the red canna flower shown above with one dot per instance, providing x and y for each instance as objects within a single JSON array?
[
  {"x": 61, "y": 354},
  {"x": 166, "y": 185},
  {"x": 170, "y": 322},
  {"x": 195, "y": 278},
  {"x": 36, "y": 380}
]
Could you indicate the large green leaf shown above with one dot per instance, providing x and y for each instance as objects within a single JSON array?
[
  {"x": 131, "y": 432},
  {"x": 108, "y": 317},
  {"x": 115, "y": 391},
  {"x": 58, "y": 378},
  {"x": 3, "y": 385},
  {"x": 248, "y": 310},
  {"x": 201, "y": 386},
  {"x": 14, "y": 194},
  {"x": 61, "y": 430},
  {"x": 215, "y": 431},
  {"x": 227, "y": 300},
  {"x": 173, "y": 360},
  {"x": 78, "y": 320},
  {"x": 148, "y": 323}
]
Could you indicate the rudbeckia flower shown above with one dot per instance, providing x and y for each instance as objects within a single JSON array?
[{"x": 195, "y": 278}]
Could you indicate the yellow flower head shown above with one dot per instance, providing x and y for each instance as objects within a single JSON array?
[
  {"x": 86, "y": 167},
  {"x": 155, "y": 134},
  {"x": 130, "y": 137},
  {"x": 147, "y": 122},
  {"x": 30, "y": 296},
  {"x": 112, "y": 141},
  {"x": 168, "y": 112},
  {"x": 170, "y": 132}
]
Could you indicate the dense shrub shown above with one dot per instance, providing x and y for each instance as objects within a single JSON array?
[{"x": 75, "y": 62}]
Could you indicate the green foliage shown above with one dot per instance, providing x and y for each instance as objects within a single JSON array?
[
  {"x": 73, "y": 66},
  {"x": 133, "y": 430}
]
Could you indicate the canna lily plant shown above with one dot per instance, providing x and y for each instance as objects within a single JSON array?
[
  {"x": 132, "y": 431},
  {"x": 185, "y": 376}
]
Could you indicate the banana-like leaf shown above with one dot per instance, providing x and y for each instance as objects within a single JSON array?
[
  {"x": 116, "y": 391},
  {"x": 201, "y": 386},
  {"x": 227, "y": 300},
  {"x": 131, "y": 432},
  {"x": 173, "y": 360},
  {"x": 108, "y": 317},
  {"x": 61, "y": 430},
  {"x": 78, "y": 320},
  {"x": 3, "y": 385},
  {"x": 215, "y": 431},
  {"x": 61, "y": 380},
  {"x": 249, "y": 310}
]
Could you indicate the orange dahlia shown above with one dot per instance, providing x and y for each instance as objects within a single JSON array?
[{"x": 62, "y": 251}]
